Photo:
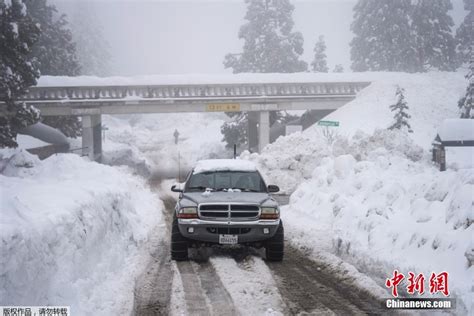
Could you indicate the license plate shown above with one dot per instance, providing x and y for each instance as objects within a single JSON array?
[{"x": 228, "y": 239}]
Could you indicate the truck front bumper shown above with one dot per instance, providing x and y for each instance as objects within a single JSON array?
[{"x": 209, "y": 231}]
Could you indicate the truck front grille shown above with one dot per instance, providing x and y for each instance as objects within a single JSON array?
[
  {"x": 214, "y": 211},
  {"x": 236, "y": 212}
]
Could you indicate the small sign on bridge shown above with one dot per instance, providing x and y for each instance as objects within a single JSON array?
[
  {"x": 328, "y": 123},
  {"x": 223, "y": 107}
]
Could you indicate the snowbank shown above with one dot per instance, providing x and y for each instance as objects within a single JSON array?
[
  {"x": 378, "y": 202},
  {"x": 71, "y": 231},
  {"x": 372, "y": 197},
  {"x": 391, "y": 210},
  {"x": 148, "y": 141}
]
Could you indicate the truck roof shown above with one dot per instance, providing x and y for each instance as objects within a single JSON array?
[{"x": 210, "y": 165}]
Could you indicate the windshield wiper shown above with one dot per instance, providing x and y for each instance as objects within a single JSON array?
[
  {"x": 200, "y": 188},
  {"x": 245, "y": 189},
  {"x": 221, "y": 189},
  {"x": 241, "y": 189}
]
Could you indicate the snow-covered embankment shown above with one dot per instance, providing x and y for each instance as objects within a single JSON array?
[
  {"x": 373, "y": 197},
  {"x": 71, "y": 232}
]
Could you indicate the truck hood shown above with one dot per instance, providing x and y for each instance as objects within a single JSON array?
[{"x": 230, "y": 197}]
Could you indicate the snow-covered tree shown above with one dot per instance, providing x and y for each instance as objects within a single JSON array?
[
  {"x": 270, "y": 45},
  {"x": 55, "y": 49},
  {"x": 338, "y": 68},
  {"x": 319, "y": 63},
  {"x": 432, "y": 31},
  {"x": 235, "y": 131},
  {"x": 383, "y": 39},
  {"x": 18, "y": 69},
  {"x": 465, "y": 34},
  {"x": 403, "y": 35},
  {"x": 56, "y": 53},
  {"x": 400, "y": 108},
  {"x": 466, "y": 103}
]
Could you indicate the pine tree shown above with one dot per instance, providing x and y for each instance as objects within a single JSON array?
[
  {"x": 56, "y": 53},
  {"x": 432, "y": 29},
  {"x": 235, "y": 131},
  {"x": 270, "y": 45},
  {"x": 383, "y": 39},
  {"x": 338, "y": 68},
  {"x": 400, "y": 108},
  {"x": 319, "y": 63},
  {"x": 465, "y": 34},
  {"x": 18, "y": 69},
  {"x": 55, "y": 49},
  {"x": 466, "y": 103}
]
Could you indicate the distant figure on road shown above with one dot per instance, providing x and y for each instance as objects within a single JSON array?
[{"x": 176, "y": 136}]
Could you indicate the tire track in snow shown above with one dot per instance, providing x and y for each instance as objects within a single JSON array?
[
  {"x": 251, "y": 285},
  {"x": 308, "y": 289},
  {"x": 196, "y": 303},
  {"x": 221, "y": 302},
  {"x": 154, "y": 286}
]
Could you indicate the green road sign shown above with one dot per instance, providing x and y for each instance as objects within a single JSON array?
[{"x": 328, "y": 123}]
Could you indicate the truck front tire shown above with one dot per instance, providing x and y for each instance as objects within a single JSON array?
[
  {"x": 274, "y": 247},
  {"x": 179, "y": 244}
]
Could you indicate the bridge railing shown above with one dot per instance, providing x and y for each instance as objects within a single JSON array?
[{"x": 193, "y": 91}]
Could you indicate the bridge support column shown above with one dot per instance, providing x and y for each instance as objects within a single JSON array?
[
  {"x": 92, "y": 136},
  {"x": 252, "y": 131},
  {"x": 263, "y": 130}
]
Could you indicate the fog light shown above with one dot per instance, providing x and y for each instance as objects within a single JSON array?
[
  {"x": 190, "y": 230},
  {"x": 266, "y": 231}
]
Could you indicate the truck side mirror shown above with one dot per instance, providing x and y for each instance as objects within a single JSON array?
[
  {"x": 273, "y": 188},
  {"x": 176, "y": 188}
]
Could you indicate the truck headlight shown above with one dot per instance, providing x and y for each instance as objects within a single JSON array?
[
  {"x": 187, "y": 212},
  {"x": 270, "y": 213}
]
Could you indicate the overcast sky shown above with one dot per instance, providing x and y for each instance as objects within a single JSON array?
[{"x": 193, "y": 36}]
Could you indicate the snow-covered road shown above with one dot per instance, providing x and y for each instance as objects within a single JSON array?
[{"x": 239, "y": 282}]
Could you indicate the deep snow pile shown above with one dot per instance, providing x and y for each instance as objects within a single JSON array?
[
  {"x": 71, "y": 232},
  {"x": 378, "y": 202},
  {"x": 385, "y": 211},
  {"x": 147, "y": 141},
  {"x": 372, "y": 196}
]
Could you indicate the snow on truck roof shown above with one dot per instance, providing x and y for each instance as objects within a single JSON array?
[{"x": 224, "y": 165}]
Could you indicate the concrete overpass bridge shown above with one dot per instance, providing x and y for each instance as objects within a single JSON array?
[{"x": 106, "y": 96}]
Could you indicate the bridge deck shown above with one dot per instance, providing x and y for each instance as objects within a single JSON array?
[{"x": 125, "y": 99}]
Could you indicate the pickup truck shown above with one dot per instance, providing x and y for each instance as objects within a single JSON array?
[{"x": 226, "y": 202}]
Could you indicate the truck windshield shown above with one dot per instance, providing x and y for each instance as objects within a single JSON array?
[{"x": 225, "y": 180}]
